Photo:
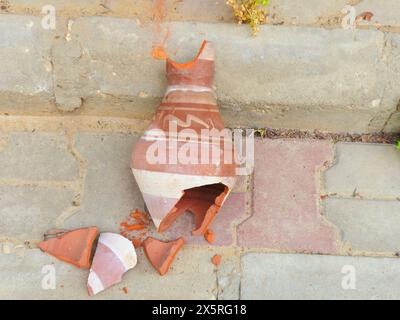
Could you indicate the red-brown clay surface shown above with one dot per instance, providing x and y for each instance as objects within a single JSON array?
[
  {"x": 73, "y": 247},
  {"x": 137, "y": 243},
  {"x": 204, "y": 202},
  {"x": 162, "y": 254},
  {"x": 188, "y": 64}
]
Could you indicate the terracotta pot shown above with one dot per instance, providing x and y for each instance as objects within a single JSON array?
[{"x": 172, "y": 176}]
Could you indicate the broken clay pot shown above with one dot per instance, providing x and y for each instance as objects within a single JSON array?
[
  {"x": 175, "y": 163},
  {"x": 114, "y": 256},
  {"x": 161, "y": 254},
  {"x": 73, "y": 247}
]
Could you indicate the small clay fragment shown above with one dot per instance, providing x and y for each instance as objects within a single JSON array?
[
  {"x": 140, "y": 217},
  {"x": 135, "y": 227},
  {"x": 137, "y": 243},
  {"x": 366, "y": 15},
  {"x": 209, "y": 236},
  {"x": 161, "y": 254},
  {"x": 73, "y": 247},
  {"x": 114, "y": 256},
  {"x": 216, "y": 260}
]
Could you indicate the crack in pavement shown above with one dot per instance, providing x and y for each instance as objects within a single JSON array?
[{"x": 72, "y": 210}]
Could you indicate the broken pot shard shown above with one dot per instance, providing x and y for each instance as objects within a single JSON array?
[
  {"x": 114, "y": 256},
  {"x": 204, "y": 202},
  {"x": 73, "y": 247},
  {"x": 162, "y": 254},
  {"x": 173, "y": 173}
]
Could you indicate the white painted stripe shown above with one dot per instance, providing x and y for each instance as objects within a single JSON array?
[
  {"x": 203, "y": 135},
  {"x": 189, "y": 109},
  {"x": 94, "y": 282},
  {"x": 171, "y": 185},
  {"x": 186, "y": 88},
  {"x": 190, "y": 97},
  {"x": 122, "y": 248},
  {"x": 149, "y": 137}
]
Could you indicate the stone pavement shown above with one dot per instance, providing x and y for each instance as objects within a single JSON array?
[
  {"x": 335, "y": 79},
  {"x": 315, "y": 220}
]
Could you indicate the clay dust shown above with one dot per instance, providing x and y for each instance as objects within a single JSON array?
[
  {"x": 136, "y": 227},
  {"x": 159, "y": 12}
]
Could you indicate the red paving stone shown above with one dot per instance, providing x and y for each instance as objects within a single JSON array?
[{"x": 286, "y": 212}]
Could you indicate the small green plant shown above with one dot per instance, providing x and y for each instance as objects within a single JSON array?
[
  {"x": 252, "y": 12},
  {"x": 262, "y": 133},
  {"x": 398, "y": 144}
]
